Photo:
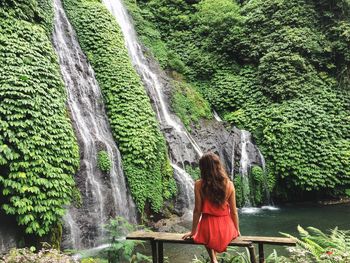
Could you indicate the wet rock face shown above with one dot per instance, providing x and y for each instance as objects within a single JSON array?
[
  {"x": 210, "y": 135},
  {"x": 9, "y": 233},
  {"x": 235, "y": 148},
  {"x": 226, "y": 141}
]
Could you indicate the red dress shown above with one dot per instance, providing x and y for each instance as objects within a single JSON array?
[{"x": 216, "y": 229}]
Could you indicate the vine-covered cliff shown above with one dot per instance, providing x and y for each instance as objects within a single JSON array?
[
  {"x": 132, "y": 119},
  {"x": 277, "y": 68},
  {"x": 38, "y": 150}
]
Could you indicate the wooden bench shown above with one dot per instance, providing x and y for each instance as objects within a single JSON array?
[
  {"x": 276, "y": 241},
  {"x": 157, "y": 240}
]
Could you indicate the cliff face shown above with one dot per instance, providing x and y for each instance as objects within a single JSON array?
[{"x": 280, "y": 71}]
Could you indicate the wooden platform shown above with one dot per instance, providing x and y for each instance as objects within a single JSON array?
[{"x": 157, "y": 240}]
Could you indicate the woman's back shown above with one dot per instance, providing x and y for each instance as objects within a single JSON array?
[
  {"x": 215, "y": 218},
  {"x": 210, "y": 208}
]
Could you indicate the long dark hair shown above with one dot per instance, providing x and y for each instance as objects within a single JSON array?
[{"x": 214, "y": 178}]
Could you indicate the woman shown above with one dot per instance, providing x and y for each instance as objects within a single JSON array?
[{"x": 215, "y": 218}]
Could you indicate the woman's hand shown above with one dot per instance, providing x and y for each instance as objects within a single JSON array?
[
  {"x": 239, "y": 233},
  {"x": 188, "y": 235}
]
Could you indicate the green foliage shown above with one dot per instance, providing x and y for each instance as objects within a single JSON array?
[
  {"x": 122, "y": 250},
  {"x": 188, "y": 104},
  {"x": 34, "y": 11},
  {"x": 103, "y": 161},
  {"x": 232, "y": 255},
  {"x": 312, "y": 246},
  {"x": 239, "y": 190},
  {"x": 38, "y": 149},
  {"x": 221, "y": 15},
  {"x": 258, "y": 185},
  {"x": 277, "y": 68},
  {"x": 194, "y": 172},
  {"x": 131, "y": 117},
  {"x": 28, "y": 255},
  {"x": 317, "y": 246}
]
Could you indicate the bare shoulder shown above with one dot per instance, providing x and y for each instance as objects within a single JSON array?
[{"x": 231, "y": 186}]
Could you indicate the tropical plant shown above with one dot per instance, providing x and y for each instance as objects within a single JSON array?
[
  {"x": 317, "y": 246},
  {"x": 120, "y": 249}
]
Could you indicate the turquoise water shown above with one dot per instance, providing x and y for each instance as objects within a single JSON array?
[{"x": 271, "y": 222}]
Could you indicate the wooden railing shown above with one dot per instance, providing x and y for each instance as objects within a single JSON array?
[{"x": 157, "y": 239}]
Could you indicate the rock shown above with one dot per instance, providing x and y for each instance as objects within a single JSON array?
[
  {"x": 9, "y": 233},
  {"x": 170, "y": 225}
]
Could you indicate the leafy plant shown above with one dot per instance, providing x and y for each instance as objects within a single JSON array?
[
  {"x": 28, "y": 255},
  {"x": 103, "y": 161},
  {"x": 38, "y": 149},
  {"x": 188, "y": 104},
  {"x": 194, "y": 172},
  {"x": 122, "y": 250},
  {"x": 317, "y": 246}
]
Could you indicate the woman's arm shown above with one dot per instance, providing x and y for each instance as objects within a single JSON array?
[
  {"x": 233, "y": 209},
  {"x": 196, "y": 211}
]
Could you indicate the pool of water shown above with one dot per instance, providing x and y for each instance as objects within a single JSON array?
[{"x": 270, "y": 222}]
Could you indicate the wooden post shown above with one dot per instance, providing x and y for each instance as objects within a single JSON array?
[
  {"x": 252, "y": 254},
  {"x": 160, "y": 252},
  {"x": 154, "y": 251},
  {"x": 261, "y": 253}
]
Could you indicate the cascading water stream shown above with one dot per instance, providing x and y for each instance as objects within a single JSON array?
[
  {"x": 154, "y": 88},
  {"x": 265, "y": 183},
  {"x": 103, "y": 194},
  {"x": 244, "y": 166}
]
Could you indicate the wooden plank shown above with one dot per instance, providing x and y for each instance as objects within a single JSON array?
[
  {"x": 284, "y": 241},
  {"x": 261, "y": 253},
  {"x": 141, "y": 235},
  {"x": 252, "y": 254},
  {"x": 177, "y": 238},
  {"x": 154, "y": 251},
  {"x": 160, "y": 252}
]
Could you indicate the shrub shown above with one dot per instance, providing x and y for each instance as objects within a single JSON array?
[
  {"x": 317, "y": 246},
  {"x": 121, "y": 249},
  {"x": 28, "y": 255},
  {"x": 188, "y": 104},
  {"x": 103, "y": 161}
]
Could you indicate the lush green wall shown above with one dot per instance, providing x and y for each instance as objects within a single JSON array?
[
  {"x": 278, "y": 68},
  {"x": 132, "y": 119},
  {"x": 38, "y": 149}
]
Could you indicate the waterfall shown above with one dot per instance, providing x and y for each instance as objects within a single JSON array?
[
  {"x": 182, "y": 146},
  {"x": 245, "y": 164},
  {"x": 265, "y": 182},
  {"x": 233, "y": 161},
  {"x": 103, "y": 194},
  {"x": 216, "y": 116}
]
